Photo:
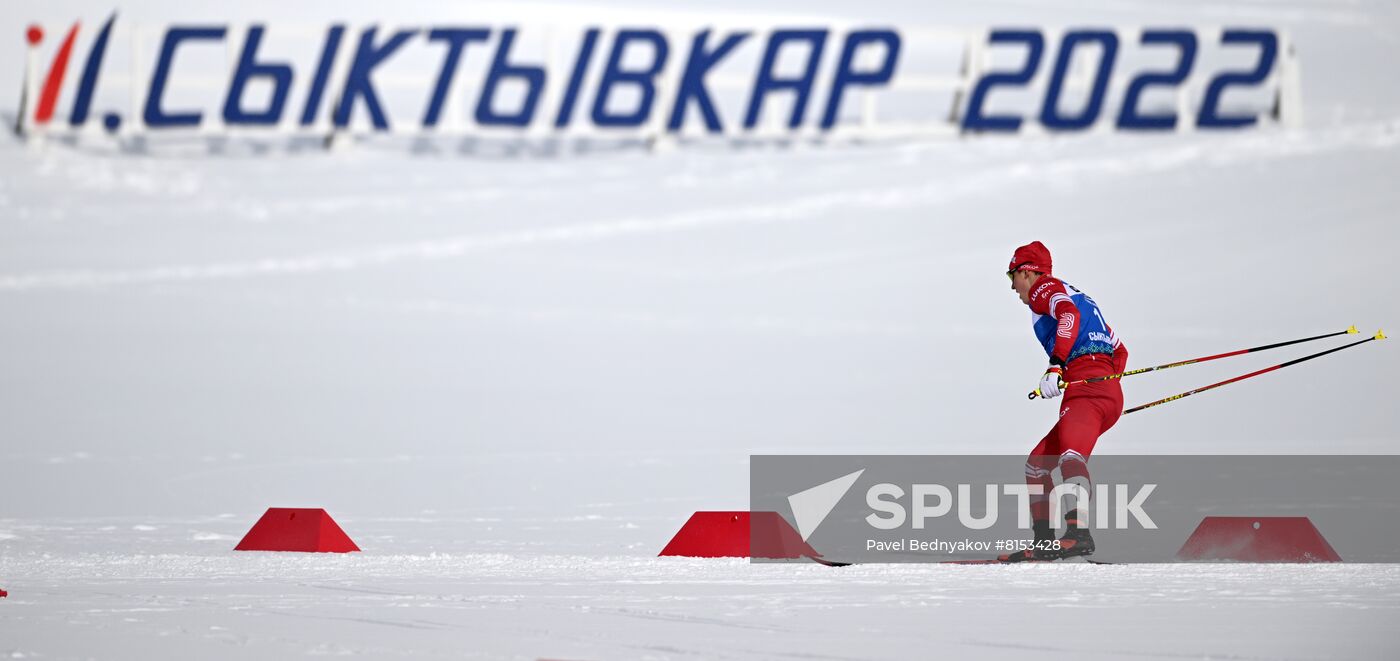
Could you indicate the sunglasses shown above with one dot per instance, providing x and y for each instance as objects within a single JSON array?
[{"x": 1013, "y": 270}]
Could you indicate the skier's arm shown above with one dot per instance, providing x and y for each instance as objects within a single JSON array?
[{"x": 1050, "y": 298}]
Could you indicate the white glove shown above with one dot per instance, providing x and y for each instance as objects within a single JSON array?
[{"x": 1050, "y": 382}]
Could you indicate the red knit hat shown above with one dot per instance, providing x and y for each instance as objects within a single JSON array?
[{"x": 1033, "y": 256}]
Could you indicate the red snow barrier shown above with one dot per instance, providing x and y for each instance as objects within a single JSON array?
[
  {"x": 738, "y": 535},
  {"x": 1257, "y": 539},
  {"x": 289, "y": 529}
]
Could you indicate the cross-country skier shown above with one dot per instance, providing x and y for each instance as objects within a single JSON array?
[{"x": 1081, "y": 345}]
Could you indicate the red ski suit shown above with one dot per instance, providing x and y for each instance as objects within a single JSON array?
[{"x": 1087, "y": 410}]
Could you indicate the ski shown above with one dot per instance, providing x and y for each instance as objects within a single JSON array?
[
  {"x": 829, "y": 563},
  {"x": 999, "y": 561},
  {"x": 974, "y": 561}
]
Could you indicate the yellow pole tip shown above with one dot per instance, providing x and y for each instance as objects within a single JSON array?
[
  {"x": 1353, "y": 330},
  {"x": 1380, "y": 335}
]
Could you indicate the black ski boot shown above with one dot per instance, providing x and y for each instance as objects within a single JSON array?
[
  {"x": 1042, "y": 548},
  {"x": 1077, "y": 541}
]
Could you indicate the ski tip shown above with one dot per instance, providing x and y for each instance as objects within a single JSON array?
[
  {"x": 829, "y": 563},
  {"x": 1352, "y": 330},
  {"x": 1380, "y": 334}
]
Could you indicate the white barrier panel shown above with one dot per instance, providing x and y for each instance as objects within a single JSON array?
[{"x": 650, "y": 81}]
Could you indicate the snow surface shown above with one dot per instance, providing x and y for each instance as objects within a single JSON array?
[
  {"x": 435, "y": 587},
  {"x": 511, "y": 377}
]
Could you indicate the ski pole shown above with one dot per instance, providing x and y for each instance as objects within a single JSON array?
[
  {"x": 1380, "y": 335},
  {"x": 1350, "y": 331}
]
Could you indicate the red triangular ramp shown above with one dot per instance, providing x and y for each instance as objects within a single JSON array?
[
  {"x": 738, "y": 535},
  {"x": 1257, "y": 539},
  {"x": 291, "y": 529}
]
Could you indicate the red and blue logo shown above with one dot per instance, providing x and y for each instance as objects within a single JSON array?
[{"x": 58, "y": 69}]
